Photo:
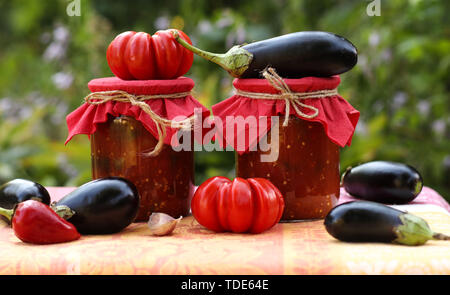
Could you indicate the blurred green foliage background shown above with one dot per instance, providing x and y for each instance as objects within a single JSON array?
[{"x": 401, "y": 84}]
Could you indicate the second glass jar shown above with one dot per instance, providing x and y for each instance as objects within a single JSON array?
[{"x": 306, "y": 170}]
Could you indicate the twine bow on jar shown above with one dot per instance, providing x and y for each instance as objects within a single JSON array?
[
  {"x": 293, "y": 99},
  {"x": 101, "y": 97}
]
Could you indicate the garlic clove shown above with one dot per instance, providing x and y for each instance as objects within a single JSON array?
[{"x": 161, "y": 224}]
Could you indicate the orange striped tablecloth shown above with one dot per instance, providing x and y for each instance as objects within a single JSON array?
[{"x": 288, "y": 248}]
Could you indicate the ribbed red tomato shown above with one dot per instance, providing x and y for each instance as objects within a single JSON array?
[
  {"x": 141, "y": 56},
  {"x": 242, "y": 205}
]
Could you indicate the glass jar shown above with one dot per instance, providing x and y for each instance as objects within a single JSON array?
[
  {"x": 165, "y": 182},
  {"x": 306, "y": 171}
]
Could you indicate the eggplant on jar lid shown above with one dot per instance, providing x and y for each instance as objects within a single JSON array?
[
  {"x": 294, "y": 55},
  {"x": 102, "y": 206},
  {"x": 365, "y": 221},
  {"x": 384, "y": 182}
]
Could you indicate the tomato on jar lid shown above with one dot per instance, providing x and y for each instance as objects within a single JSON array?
[{"x": 141, "y": 56}]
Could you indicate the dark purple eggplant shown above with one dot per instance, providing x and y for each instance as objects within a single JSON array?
[
  {"x": 365, "y": 221},
  {"x": 295, "y": 55},
  {"x": 20, "y": 190},
  {"x": 102, "y": 206},
  {"x": 383, "y": 182}
]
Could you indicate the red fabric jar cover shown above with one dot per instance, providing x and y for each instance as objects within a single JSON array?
[
  {"x": 84, "y": 119},
  {"x": 337, "y": 116}
]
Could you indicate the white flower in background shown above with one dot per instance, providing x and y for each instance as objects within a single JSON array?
[
  {"x": 62, "y": 80},
  {"x": 58, "y": 47},
  {"x": 424, "y": 107},
  {"x": 240, "y": 35},
  {"x": 438, "y": 126},
  {"x": 61, "y": 34},
  {"x": 5, "y": 104},
  {"x": 399, "y": 100},
  {"x": 25, "y": 113},
  {"x": 13, "y": 110},
  {"x": 204, "y": 27},
  {"x": 162, "y": 23},
  {"x": 361, "y": 128},
  {"x": 54, "y": 52},
  {"x": 374, "y": 39}
]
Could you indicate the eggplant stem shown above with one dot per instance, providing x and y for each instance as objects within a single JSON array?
[
  {"x": 343, "y": 175},
  {"x": 439, "y": 236},
  {"x": 214, "y": 57},
  {"x": 8, "y": 213},
  {"x": 62, "y": 210},
  {"x": 235, "y": 61}
]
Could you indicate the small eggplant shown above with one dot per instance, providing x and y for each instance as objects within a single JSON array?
[
  {"x": 294, "y": 55},
  {"x": 365, "y": 221},
  {"x": 383, "y": 182},
  {"x": 20, "y": 190},
  {"x": 102, "y": 206}
]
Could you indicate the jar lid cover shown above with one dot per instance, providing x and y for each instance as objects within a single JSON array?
[
  {"x": 168, "y": 100},
  {"x": 142, "y": 87},
  {"x": 307, "y": 84},
  {"x": 311, "y": 98}
]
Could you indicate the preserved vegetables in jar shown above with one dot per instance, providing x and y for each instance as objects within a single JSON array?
[
  {"x": 306, "y": 170},
  {"x": 312, "y": 121},
  {"x": 165, "y": 182},
  {"x": 132, "y": 126}
]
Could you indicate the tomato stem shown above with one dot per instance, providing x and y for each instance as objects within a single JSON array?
[{"x": 236, "y": 61}]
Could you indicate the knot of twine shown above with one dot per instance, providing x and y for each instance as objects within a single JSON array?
[
  {"x": 291, "y": 98},
  {"x": 101, "y": 97}
]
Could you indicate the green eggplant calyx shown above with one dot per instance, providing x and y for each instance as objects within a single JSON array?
[
  {"x": 62, "y": 210},
  {"x": 7, "y": 213},
  {"x": 413, "y": 231},
  {"x": 235, "y": 61}
]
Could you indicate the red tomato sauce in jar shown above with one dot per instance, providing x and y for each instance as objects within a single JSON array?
[
  {"x": 306, "y": 171},
  {"x": 126, "y": 141},
  {"x": 165, "y": 182},
  {"x": 305, "y": 166}
]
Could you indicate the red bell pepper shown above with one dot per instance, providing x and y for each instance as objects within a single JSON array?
[
  {"x": 141, "y": 56},
  {"x": 37, "y": 223},
  {"x": 242, "y": 205}
]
